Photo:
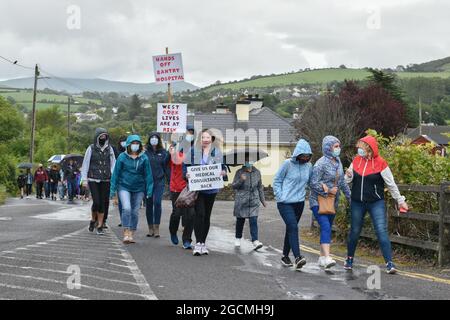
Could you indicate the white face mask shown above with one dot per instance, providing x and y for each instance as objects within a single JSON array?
[
  {"x": 154, "y": 141},
  {"x": 123, "y": 144},
  {"x": 189, "y": 138},
  {"x": 134, "y": 147}
]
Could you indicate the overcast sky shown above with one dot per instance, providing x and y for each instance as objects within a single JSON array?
[{"x": 220, "y": 40}]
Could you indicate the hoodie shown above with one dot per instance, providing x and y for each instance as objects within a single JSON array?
[
  {"x": 324, "y": 172},
  {"x": 291, "y": 179},
  {"x": 159, "y": 161},
  {"x": 99, "y": 161},
  {"x": 369, "y": 176},
  {"x": 132, "y": 175}
]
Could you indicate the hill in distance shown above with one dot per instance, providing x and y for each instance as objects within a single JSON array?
[{"x": 77, "y": 85}]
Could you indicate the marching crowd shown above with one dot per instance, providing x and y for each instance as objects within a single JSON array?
[{"x": 136, "y": 172}]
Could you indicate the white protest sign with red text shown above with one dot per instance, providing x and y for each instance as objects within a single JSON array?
[
  {"x": 168, "y": 68},
  {"x": 172, "y": 117}
]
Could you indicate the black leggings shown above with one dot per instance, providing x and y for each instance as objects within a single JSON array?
[
  {"x": 100, "y": 195},
  {"x": 203, "y": 209},
  {"x": 187, "y": 216}
]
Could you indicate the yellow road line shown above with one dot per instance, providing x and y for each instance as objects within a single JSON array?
[{"x": 414, "y": 275}]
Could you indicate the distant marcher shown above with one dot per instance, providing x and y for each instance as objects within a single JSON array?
[
  {"x": 177, "y": 184},
  {"x": 327, "y": 179},
  {"x": 40, "y": 177},
  {"x": 369, "y": 173},
  {"x": 249, "y": 193},
  {"x": 132, "y": 180},
  {"x": 289, "y": 187},
  {"x": 98, "y": 164},
  {"x": 29, "y": 183},
  {"x": 54, "y": 179},
  {"x": 121, "y": 147},
  {"x": 47, "y": 184},
  {"x": 205, "y": 152},
  {"x": 159, "y": 160},
  {"x": 21, "y": 183},
  {"x": 70, "y": 176}
]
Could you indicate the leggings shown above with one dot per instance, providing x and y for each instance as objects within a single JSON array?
[
  {"x": 100, "y": 194},
  {"x": 203, "y": 209}
]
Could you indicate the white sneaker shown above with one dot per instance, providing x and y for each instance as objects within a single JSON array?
[
  {"x": 329, "y": 262},
  {"x": 257, "y": 245},
  {"x": 321, "y": 261},
  {"x": 197, "y": 249},
  {"x": 204, "y": 250},
  {"x": 237, "y": 242}
]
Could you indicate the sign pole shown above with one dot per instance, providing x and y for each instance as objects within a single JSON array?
[{"x": 169, "y": 94}]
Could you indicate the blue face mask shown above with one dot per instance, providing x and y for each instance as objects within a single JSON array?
[
  {"x": 123, "y": 144},
  {"x": 361, "y": 152},
  {"x": 336, "y": 152},
  {"x": 189, "y": 138},
  {"x": 248, "y": 165},
  {"x": 134, "y": 147},
  {"x": 154, "y": 141}
]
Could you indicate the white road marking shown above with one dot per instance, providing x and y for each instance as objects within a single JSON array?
[
  {"x": 40, "y": 291},
  {"x": 5, "y": 218}
]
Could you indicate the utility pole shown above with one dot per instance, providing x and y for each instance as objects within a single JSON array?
[
  {"x": 68, "y": 124},
  {"x": 420, "y": 116},
  {"x": 33, "y": 116}
]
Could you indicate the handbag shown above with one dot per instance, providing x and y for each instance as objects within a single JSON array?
[
  {"x": 326, "y": 204},
  {"x": 186, "y": 199}
]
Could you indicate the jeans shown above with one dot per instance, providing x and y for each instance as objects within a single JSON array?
[
  {"x": 326, "y": 223},
  {"x": 120, "y": 209},
  {"x": 153, "y": 206},
  {"x": 187, "y": 214},
  {"x": 378, "y": 215},
  {"x": 253, "y": 227},
  {"x": 28, "y": 188},
  {"x": 131, "y": 203},
  {"x": 203, "y": 209},
  {"x": 291, "y": 214},
  {"x": 71, "y": 188}
]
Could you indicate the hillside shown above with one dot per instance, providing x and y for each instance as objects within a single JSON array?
[
  {"x": 431, "y": 66},
  {"x": 319, "y": 76},
  {"x": 77, "y": 85}
]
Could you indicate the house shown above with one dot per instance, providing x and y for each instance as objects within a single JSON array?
[
  {"x": 252, "y": 125},
  {"x": 437, "y": 135}
]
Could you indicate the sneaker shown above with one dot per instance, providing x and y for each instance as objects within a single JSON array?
[
  {"x": 100, "y": 231},
  {"x": 91, "y": 226},
  {"x": 321, "y": 261},
  {"x": 299, "y": 262},
  {"x": 197, "y": 249},
  {"x": 119, "y": 225},
  {"x": 237, "y": 242},
  {"x": 257, "y": 245},
  {"x": 187, "y": 245},
  {"x": 204, "y": 250},
  {"x": 285, "y": 261},
  {"x": 126, "y": 239},
  {"x": 105, "y": 226},
  {"x": 390, "y": 268},
  {"x": 329, "y": 262},
  {"x": 174, "y": 239},
  {"x": 348, "y": 265}
]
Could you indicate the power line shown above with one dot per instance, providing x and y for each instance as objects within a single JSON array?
[
  {"x": 65, "y": 81},
  {"x": 15, "y": 63}
]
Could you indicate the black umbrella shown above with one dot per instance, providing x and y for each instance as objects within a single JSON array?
[
  {"x": 25, "y": 165},
  {"x": 77, "y": 159},
  {"x": 236, "y": 157}
]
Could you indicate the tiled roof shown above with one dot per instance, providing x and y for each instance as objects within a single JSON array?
[
  {"x": 435, "y": 133},
  {"x": 263, "y": 118}
]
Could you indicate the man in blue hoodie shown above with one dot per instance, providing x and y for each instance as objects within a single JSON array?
[{"x": 289, "y": 186}]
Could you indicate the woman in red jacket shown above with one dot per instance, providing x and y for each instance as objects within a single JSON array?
[{"x": 40, "y": 177}]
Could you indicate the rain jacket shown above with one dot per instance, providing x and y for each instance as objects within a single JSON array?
[
  {"x": 369, "y": 177},
  {"x": 248, "y": 194},
  {"x": 132, "y": 175},
  {"x": 159, "y": 160},
  {"x": 324, "y": 172},
  {"x": 292, "y": 178}
]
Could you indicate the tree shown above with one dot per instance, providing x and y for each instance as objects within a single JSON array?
[
  {"x": 388, "y": 82},
  {"x": 135, "y": 107},
  {"x": 11, "y": 122},
  {"x": 327, "y": 116}
]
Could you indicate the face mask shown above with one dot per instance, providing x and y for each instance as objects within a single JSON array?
[
  {"x": 134, "y": 147},
  {"x": 123, "y": 144},
  {"x": 336, "y": 152},
  {"x": 102, "y": 141},
  {"x": 248, "y": 164},
  {"x": 361, "y": 152},
  {"x": 189, "y": 138},
  {"x": 154, "y": 141}
]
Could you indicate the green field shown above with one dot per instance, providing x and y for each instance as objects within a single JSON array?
[
  {"x": 26, "y": 96},
  {"x": 43, "y": 106},
  {"x": 321, "y": 76}
]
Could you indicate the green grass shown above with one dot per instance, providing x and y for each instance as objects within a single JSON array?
[
  {"x": 27, "y": 96},
  {"x": 43, "y": 106},
  {"x": 3, "y": 195},
  {"x": 321, "y": 76}
]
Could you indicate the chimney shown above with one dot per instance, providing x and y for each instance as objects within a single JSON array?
[{"x": 242, "y": 110}]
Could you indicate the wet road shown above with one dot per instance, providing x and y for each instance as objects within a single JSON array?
[{"x": 45, "y": 249}]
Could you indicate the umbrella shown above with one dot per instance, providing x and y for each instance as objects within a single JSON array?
[
  {"x": 236, "y": 157},
  {"x": 77, "y": 158},
  {"x": 57, "y": 158},
  {"x": 25, "y": 165}
]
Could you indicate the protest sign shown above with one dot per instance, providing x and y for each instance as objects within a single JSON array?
[
  {"x": 171, "y": 117},
  {"x": 168, "y": 68},
  {"x": 205, "y": 177}
]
